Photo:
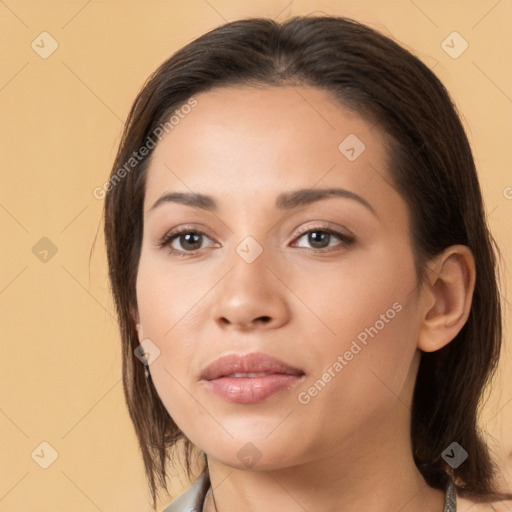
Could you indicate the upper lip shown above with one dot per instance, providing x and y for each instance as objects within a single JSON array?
[{"x": 254, "y": 362}]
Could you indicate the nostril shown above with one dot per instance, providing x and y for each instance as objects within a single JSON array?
[{"x": 263, "y": 319}]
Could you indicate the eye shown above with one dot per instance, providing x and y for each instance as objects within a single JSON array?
[
  {"x": 187, "y": 241},
  {"x": 184, "y": 241},
  {"x": 321, "y": 238}
]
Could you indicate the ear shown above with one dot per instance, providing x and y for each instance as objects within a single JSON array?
[{"x": 446, "y": 297}]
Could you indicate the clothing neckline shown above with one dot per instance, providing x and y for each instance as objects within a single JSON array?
[{"x": 193, "y": 498}]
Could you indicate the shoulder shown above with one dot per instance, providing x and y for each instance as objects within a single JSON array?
[{"x": 467, "y": 505}]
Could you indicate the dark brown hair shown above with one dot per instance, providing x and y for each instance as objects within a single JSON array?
[{"x": 431, "y": 165}]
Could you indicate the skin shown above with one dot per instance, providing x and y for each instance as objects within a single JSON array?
[{"x": 350, "y": 444}]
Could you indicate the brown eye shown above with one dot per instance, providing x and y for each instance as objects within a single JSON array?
[
  {"x": 321, "y": 238},
  {"x": 184, "y": 242},
  {"x": 189, "y": 241}
]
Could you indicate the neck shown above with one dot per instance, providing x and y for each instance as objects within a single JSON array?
[{"x": 373, "y": 472}]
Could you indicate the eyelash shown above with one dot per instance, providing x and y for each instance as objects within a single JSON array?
[{"x": 168, "y": 239}]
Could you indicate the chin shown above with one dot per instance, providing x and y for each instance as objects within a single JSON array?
[{"x": 249, "y": 453}]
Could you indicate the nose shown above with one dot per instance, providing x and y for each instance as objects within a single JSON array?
[{"x": 251, "y": 296}]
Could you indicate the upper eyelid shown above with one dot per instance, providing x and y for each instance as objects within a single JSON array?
[
  {"x": 322, "y": 225},
  {"x": 316, "y": 224}
]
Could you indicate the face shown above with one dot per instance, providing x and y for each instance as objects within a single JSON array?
[{"x": 323, "y": 282}]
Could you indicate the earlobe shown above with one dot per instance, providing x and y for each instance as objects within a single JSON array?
[
  {"x": 140, "y": 334},
  {"x": 447, "y": 295},
  {"x": 138, "y": 325}
]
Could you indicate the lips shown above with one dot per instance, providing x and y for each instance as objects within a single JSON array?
[
  {"x": 249, "y": 378},
  {"x": 242, "y": 365}
]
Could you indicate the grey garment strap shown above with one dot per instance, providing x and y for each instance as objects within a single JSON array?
[
  {"x": 192, "y": 499},
  {"x": 450, "y": 497}
]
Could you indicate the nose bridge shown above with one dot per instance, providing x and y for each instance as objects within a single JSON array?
[
  {"x": 250, "y": 274},
  {"x": 252, "y": 247},
  {"x": 250, "y": 291}
]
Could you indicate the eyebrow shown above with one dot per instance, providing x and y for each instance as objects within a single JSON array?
[{"x": 285, "y": 201}]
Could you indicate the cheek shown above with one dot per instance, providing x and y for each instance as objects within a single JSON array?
[
  {"x": 161, "y": 306},
  {"x": 369, "y": 329},
  {"x": 164, "y": 298},
  {"x": 358, "y": 298},
  {"x": 362, "y": 376},
  {"x": 168, "y": 304}
]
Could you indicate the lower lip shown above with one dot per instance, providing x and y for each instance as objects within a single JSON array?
[{"x": 251, "y": 390}]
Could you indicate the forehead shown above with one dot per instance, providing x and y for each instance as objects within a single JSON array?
[{"x": 247, "y": 142}]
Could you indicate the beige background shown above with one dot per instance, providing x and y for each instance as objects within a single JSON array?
[{"x": 61, "y": 123}]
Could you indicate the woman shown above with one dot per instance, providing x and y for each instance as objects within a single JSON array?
[{"x": 305, "y": 282}]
